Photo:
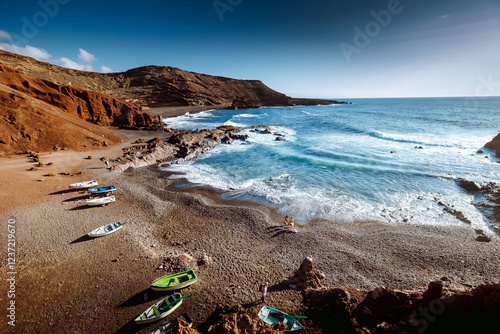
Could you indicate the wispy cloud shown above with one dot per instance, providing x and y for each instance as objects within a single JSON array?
[
  {"x": 105, "y": 69},
  {"x": 444, "y": 17},
  {"x": 28, "y": 50},
  {"x": 84, "y": 62},
  {"x": 5, "y": 35},
  {"x": 74, "y": 65},
  {"x": 85, "y": 57}
]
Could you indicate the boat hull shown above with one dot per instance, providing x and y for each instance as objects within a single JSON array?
[
  {"x": 105, "y": 230},
  {"x": 149, "y": 317},
  {"x": 100, "y": 201},
  {"x": 266, "y": 315},
  {"x": 175, "y": 282}
]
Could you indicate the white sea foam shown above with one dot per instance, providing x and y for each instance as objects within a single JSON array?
[
  {"x": 249, "y": 116},
  {"x": 190, "y": 121}
]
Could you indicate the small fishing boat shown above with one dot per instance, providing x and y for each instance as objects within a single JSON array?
[
  {"x": 83, "y": 185},
  {"x": 161, "y": 309},
  {"x": 166, "y": 327},
  {"x": 100, "y": 201},
  {"x": 106, "y": 229},
  {"x": 175, "y": 281},
  {"x": 102, "y": 190},
  {"x": 271, "y": 316}
]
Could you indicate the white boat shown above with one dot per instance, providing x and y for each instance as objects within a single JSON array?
[
  {"x": 100, "y": 201},
  {"x": 84, "y": 185},
  {"x": 161, "y": 309},
  {"x": 167, "y": 327},
  {"x": 106, "y": 229}
]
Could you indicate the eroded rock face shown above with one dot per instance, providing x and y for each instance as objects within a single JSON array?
[
  {"x": 90, "y": 106},
  {"x": 29, "y": 124}
]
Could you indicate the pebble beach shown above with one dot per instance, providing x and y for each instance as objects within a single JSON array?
[{"x": 66, "y": 282}]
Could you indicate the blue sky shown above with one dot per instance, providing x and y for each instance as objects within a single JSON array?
[{"x": 336, "y": 49}]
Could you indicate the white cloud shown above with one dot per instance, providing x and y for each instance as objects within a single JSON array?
[
  {"x": 85, "y": 57},
  {"x": 444, "y": 17},
  {"x": 105, "y": 69},
  {"x": 5, "y": 35},
  {"x": 74, "y": 65},
  {"x": 28, "y": 50}
]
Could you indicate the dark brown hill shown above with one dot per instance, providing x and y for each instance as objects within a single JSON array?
[{"x": 160, "y": 86}]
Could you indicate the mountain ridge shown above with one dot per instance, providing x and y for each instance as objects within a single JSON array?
[{"x": 161, "y": 86}]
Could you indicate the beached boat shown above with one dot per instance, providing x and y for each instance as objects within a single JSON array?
[
  {"x": 100, "y": 201},
  {"x": 83, "y": 185},
  {"x": 271, "y": 316},
  {"x": 161, "y": 309},
  {"x": 106, "y": 229},
  {"x": 102, "y": 190},
  {"x": 175, "y": 281},
  {"x": 166, "y": 327}
]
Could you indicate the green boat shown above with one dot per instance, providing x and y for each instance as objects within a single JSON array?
[
  {"x": 271, "y": 316},
  {"x": 161, "y": 309},
  {"x": 175, "y": 281}
]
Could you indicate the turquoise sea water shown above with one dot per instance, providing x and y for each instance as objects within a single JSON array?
[{"x": 336, "y": 162}]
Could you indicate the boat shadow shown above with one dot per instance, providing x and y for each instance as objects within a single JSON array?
[
  {"x": 131, "y": 327},
  {"x": 81, "y": 239},
  {"x": 144, "y": 296},
  {"x": 81, "y": 207},
  {"x": 76, "y": 199},
  {"x": 65, "y": 191}
]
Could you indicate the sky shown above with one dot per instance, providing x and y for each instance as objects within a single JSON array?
[{"x": 328, "y": 49}]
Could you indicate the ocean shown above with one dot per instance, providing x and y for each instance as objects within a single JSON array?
[{"x": 390, "y": 160}]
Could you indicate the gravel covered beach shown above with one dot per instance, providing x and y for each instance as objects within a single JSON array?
[{"x": 67, "y": 282}]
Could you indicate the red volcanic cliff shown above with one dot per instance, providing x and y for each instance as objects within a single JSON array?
[{"x": 97, "y": 108}]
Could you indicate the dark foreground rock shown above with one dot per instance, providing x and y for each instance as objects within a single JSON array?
[
  {"x": 389, "y": 310},
  {"x": 236, "y": 319}
]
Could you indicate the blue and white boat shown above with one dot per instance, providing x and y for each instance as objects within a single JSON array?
[{"x": 102, "y": 190}]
